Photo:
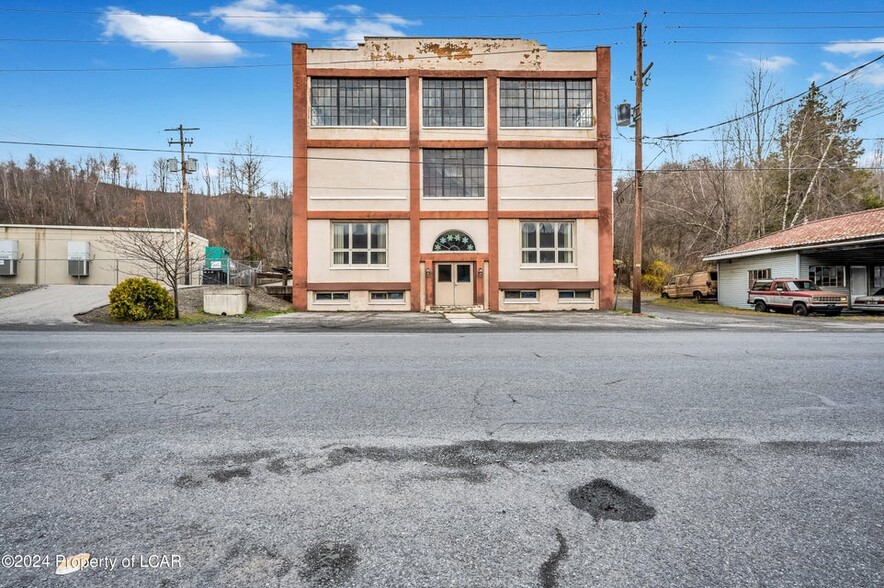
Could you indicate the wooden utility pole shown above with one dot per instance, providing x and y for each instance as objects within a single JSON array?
[
  {"x": 640, "y": 74},
  {"x": 184, "y": 171}
]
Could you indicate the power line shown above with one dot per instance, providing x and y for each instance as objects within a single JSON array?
[
  {"x": 499, "y": 16},
  {"x": 708, "y": 42},
  {"x": 407, "y": 162},
  {"x": 303, "y": 16},
  {"x": 766, "y": 13},
  {"x": 267, "y": 65},
  {"x": 774, "y": 27},
  {"x": 249, "y": 41},
  {"x": 774, "y": 105}
]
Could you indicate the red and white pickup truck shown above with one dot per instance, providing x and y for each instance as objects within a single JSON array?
[{"x": 795, "y": 295}]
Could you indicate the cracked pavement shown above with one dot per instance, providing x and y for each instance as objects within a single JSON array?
[{"x": 706, "y": 457}]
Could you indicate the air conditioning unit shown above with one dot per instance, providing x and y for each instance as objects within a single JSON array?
[
  {"x": 78, "y": 259},
  {"x": 8, "y": 258}
]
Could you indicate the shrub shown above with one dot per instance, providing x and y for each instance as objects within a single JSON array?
[
  {"x": 139, "y": 299},
  {"x": 654, "y": 278}
]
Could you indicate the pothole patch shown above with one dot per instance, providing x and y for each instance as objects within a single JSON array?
[
  {"x": 187, "y": 482},
  {"x": 278, "y": 466},
  {"x": 329, "y": 563},
  {"x": 225, "y": 475},
  {"x": 604, "y": 500}
]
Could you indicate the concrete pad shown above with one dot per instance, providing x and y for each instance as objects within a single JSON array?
[
  {"x": 52, "y": 305},
  {"x": 464, "y": 318}
]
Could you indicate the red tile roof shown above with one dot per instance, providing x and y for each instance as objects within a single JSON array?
[{"x": 847, "y": 227}]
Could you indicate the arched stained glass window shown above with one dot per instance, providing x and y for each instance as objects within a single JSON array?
[{"x": 454, "y": 241}]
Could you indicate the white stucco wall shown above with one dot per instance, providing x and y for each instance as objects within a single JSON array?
[
  {"x": 357, "y": 179},
  {"x": 477, "y": 229},
  {"x": 586, "y": 256},
  {"x": 543, "y": 184},
  {"x": 451, "y": 54},
  {"x": 319, "y": 262}
]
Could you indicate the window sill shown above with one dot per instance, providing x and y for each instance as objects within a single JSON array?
[
  {"x": 476, "y": 198},
  {"x": 360, "y": 127},
  {"x": 387, "y": 302},
  {"x": 527, "y": 301},
  {"x": 482, "y": 128},
  {"x": 331, "y": 302},
  {"x": 576, "y": 301},
  {"x": 545, "y": 266},
  {"x": 592, "y": 128},
  {"x": 359, "y": 267}
]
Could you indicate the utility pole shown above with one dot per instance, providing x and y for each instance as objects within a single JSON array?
[
  {"x": 640, "y": 82},
  {"x": 187, "y": 166}
]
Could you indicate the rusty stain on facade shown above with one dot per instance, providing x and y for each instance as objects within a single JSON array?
[{"x": 448, "y": 50}]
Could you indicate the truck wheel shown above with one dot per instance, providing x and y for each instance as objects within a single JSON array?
[
  {"x": 697, "y": 297},
  {"x": 664, "y": 295},
  {"x": 799, "y": 309},
  {"x": 760, "y": 306}
]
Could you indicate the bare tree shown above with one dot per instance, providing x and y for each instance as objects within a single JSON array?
[
  {"x": 160, "y": 173},
  {"x": 245, "y": 170},
  {"x": 753, "y": 138},
  {"x": 156, "y": 253}
]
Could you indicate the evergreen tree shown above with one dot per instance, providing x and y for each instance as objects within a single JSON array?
[{"x": 815, "y": 171}]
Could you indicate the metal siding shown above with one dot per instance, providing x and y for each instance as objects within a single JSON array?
[{"x": 733, "y": 276}]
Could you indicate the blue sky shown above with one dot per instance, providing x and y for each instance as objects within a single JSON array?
[{"x": 116, "y": 74}]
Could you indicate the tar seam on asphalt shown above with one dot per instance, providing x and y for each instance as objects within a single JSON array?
[{"x": 550, "y": 568}]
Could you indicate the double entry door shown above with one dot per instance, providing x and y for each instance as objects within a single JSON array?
[{"x": 454, "y": 284}]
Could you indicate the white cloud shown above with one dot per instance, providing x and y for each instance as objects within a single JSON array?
[
  {"x": 177, "y": 37},
  {"x": 858, "y": 47},
  {"x": 775, "y": 63},
  {"x": 269, "y": 18},
  {"x": 355, "y": 32},
  {"x": 351, "y": 8}
]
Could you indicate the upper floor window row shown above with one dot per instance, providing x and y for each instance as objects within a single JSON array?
[
  {"x": 357, "y": 102},
  {"x": 369, "y": 102},
  {"x": 546, "y": 103},
  {"x": 454, "y": 103}
]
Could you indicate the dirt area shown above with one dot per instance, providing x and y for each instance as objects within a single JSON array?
[
  {"x": 190, "y": 302},
  {"x": 13, "y": 289}
]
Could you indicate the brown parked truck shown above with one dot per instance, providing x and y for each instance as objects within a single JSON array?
[
  {"x": 698, "y": 285},
  {"x": 795, "y": 295}
]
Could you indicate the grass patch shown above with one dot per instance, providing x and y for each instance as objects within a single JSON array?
[{"x": 692, "y": 305}]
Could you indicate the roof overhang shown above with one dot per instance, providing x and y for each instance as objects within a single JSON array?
[{"x": 797, "y": 248}]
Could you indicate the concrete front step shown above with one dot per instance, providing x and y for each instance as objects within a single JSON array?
[{"x": 454, "y": 309}]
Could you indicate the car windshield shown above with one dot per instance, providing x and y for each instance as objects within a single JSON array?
[{"x": 799, "y": 285}]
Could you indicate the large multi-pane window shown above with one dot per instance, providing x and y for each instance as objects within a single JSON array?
[
  {"x": 547, "y": 242},
  {"x": 357, "y": 102},
  {"x": 546, "y": 103},
  {"x": 453, "y": 103},
  {"x": 454, "y": 173},
  {"x": 832, "y": 276},
  {"x": 359, "y": 244}
]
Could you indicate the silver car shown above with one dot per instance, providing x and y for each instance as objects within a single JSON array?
[{"x": 873, "y": 303}]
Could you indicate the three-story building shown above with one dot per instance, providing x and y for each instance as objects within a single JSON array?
[{"x": 466, "y": 172}]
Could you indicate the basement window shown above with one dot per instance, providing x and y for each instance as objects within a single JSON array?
[
  {"x": 331, "y": 296},
  {"x": 520, "y": 295},
  {"x": 392, "y": 296},
  {"x": 575, "y": 295}
]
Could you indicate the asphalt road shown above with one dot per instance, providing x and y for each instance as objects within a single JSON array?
[{"x": 670, "y": 457}]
